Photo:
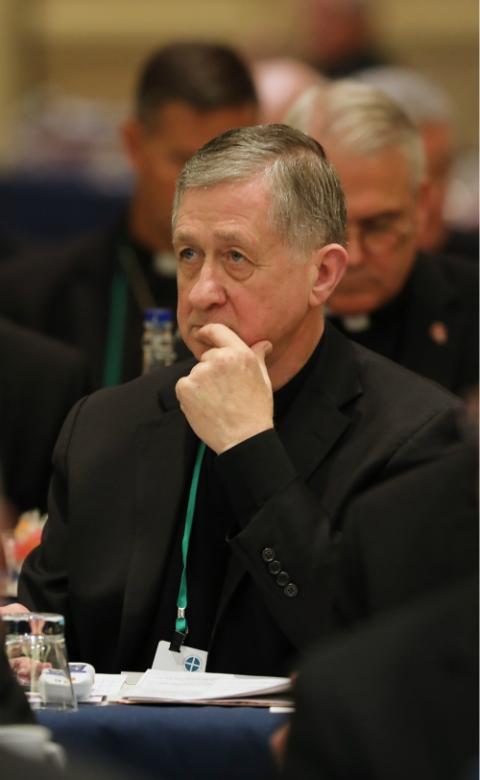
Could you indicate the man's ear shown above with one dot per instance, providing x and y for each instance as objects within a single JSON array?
[
  {"x": 132, "y": 137},
  {"x": 329, "y": 264},
  {"x": 423, "y": 199}
]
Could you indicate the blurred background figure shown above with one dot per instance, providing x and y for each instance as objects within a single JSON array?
[
  {"x": 279, "y": 81},
  {"x": 431, "y": 109},
  {"x": 340, "y": 36},
  {"x": 93, "y": 295},
  {"x": 40, "y": 380},
  {"x": 415, "y": 309}
]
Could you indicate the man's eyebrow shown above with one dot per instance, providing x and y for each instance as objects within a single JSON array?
[
  {"x": 233, "y": 237},
  {"x": 183, "y": 236},
  {"x": 387, "y": 214}
]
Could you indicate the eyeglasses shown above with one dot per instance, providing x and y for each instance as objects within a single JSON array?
[{"x": 380, "y": 234}]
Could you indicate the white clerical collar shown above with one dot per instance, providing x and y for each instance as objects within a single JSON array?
[
  {"x": 353, "y": 323},
  {"x": 356, "y": 323},
  {"x": 165, "y": 264}
]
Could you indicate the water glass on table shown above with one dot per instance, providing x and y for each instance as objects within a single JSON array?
[{"x": 36, "y": 651}]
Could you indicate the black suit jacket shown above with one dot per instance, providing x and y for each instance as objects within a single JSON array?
[
  {"x": 40, "y": 380},
  {"x": 413, "y": 534},
  {"x": 439, "y": 325},
  {"x": 123, "y": 465},
  {"x": 65, "y": 293},
  {"x": 396, "y": 700}
]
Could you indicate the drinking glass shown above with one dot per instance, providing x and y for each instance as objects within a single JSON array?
[{"x": 35, "y": 648}]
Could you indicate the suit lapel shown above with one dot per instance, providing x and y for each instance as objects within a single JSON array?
[
  {"x": 164, "y": 453},
  {"x": 313, "y": 424}
]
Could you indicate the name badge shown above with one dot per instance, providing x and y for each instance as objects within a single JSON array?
[{"x": 188, "y": 659}]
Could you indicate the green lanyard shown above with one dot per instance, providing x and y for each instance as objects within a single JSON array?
[
  {"x": 181, "y": 628},
  {"x": 112, "y": 370},
  {"x": 128, "y": 275}
]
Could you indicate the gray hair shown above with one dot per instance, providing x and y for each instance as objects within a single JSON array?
[
  {"x": 360, "y": 119},
  {"x": 423, "y": 101},
  {"x": 307, "y": 201}
]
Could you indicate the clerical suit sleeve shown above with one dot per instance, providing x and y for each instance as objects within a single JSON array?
[
  {"x": 253, "y": 471},
  {"x": 282, "y": 533},
  {"x": 289, "y": 524}
]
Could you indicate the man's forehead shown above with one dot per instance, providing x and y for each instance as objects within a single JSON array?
[
  {"x": 228, "y": 192},
  {"x": 234, "y": 211},
  {"x": 200, "y": 125}
]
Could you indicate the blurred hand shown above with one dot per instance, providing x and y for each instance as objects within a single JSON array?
[
  {"x": 279, "y": 742},
  {"x": 13, "y": 608}
]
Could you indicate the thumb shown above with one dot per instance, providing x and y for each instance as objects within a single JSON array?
[{"x": 261, "y": 349}]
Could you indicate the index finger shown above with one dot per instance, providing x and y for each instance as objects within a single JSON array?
[{"x": 217, "y": 335}]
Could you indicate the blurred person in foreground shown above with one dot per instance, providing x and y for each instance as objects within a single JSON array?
[
  {"x": 418, "y": 310},
  {"x": 431, "y": 110},
  {"x": 93, "y": 294},
  {"x": 265, "y": 437},
  {"x": 397, "y": 698}
]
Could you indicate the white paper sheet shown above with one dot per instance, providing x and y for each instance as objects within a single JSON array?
[
  {"x": 108, "y": 684},
  {"x": 159, "y": 686}
]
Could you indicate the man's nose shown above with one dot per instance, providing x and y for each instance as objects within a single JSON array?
[
  {"x": 208, "y": 289},
  {"x": 356, "y": 251}
]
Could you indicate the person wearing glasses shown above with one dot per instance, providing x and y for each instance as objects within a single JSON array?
[{"x": 418, "y": 310}]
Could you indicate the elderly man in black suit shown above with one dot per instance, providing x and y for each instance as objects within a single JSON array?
[
  {"x": 245, "y": 457},
  {"x": 419, "y": 310}
]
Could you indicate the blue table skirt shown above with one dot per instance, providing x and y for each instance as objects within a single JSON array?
[{"x": 218, "y": 743}]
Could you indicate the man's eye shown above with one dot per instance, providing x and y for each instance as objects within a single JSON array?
[
  {"x": 237, "y": 257},
  {"x": 237, "y": 265},
  {"x": 187, "y": 254},
  {"x": 383, "y": 225}
]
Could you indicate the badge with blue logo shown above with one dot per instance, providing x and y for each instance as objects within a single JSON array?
[
  {"x": 192, "y": 663},
  {"x": 188, "y": 659}
]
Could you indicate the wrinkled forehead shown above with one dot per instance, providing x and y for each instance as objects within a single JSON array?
[{"x": 230, "y": 190}]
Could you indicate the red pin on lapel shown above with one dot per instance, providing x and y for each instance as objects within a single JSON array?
[{"x": 438, "y": 333}]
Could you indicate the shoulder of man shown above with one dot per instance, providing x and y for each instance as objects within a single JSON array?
[
  {"x": 134, "y": 402},
  {"x": 456, "y": 275},
  {"x": 385, "y": 381},
  {"x": 40, "y": 353},
  {"x": 50, "y": 266}
]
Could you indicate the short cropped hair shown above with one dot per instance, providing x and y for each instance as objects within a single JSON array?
[
  {"x": 307, "y": 201},
  {"x": 360, "y": 119},
  {"x": 206, "y": 76}
]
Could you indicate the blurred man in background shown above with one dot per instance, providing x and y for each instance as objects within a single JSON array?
[
  {"x": 40, "y": 380},
  {"x": 93, "y": 295},
  {"x": 415, "y": 309},
  {"x": 429, "y": 107},
  {"x": 341, "y": 36}
]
